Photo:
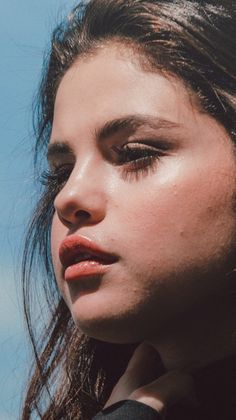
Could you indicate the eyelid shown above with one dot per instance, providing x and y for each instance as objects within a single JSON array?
[
  {"x": 143, "y": 146},
  {"x": 139, "y": 145},
  {"x": 60, "y": 166},
  {"x": 57, "y": 164},
  {"x": 158, "y": 143},
  {"x": 154, "y": 145}
]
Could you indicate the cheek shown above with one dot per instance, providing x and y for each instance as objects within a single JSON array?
[
  {"x": 57, "y": 235},
  {"x": 203, "y": 210},
  {"x": 54, "y": 237},
  {"x": 184, "y": 220}
]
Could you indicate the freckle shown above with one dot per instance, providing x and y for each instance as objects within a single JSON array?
[{"x": 181, "y": 233}]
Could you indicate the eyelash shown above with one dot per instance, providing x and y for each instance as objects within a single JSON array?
[
  {"x": 134, "y": 162},
  {"x": 137, "y": 161},
  {"x": 54, "y": 180}
]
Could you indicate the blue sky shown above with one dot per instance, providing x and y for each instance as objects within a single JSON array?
[{"x": 24, "y": 34}]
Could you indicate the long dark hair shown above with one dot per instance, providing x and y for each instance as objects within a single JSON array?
[{"x": 194, "y": 40}]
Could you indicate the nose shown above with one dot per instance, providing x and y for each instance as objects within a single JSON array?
[{"x": 82, "y": 201}]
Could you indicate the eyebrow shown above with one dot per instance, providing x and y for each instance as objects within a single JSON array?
[
  {"x": 132, "y": 123},
  {"x": 115, "y": 126}
]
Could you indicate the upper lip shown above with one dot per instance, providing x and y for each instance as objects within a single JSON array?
[{"x": 74, "y": 249}]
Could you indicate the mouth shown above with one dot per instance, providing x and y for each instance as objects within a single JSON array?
[{"x": 80, "y": 257}]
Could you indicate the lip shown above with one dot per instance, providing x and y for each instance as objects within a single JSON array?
[{"x": 81, "y": 257}]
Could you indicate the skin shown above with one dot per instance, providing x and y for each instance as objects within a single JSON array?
[
  {"x": 160, "y": 393},
  {"x": 173, "y": 226}
]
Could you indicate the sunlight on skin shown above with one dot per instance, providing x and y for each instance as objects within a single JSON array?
[{"x": 179, "y": 211}]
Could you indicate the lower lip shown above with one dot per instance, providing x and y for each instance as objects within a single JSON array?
[{"x": 84, "y": 269}]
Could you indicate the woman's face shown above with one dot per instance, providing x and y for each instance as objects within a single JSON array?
[{"x": 147, "y": 177}]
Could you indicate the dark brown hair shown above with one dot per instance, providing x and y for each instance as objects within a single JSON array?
[{"x": 193, "y": 40}]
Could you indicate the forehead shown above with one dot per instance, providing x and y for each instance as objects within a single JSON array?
[
  {"x": 98, "y": 93},
  {"x": 111, "y": 83}
]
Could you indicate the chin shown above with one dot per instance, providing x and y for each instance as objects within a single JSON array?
[
  {"x": 106, "y": 322},
  {"x": 108, "y": 332}
]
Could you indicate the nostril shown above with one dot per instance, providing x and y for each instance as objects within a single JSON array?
[
  {"x": 76, "y": 209},
  {"x": 74, "y": 218},
  {"x": 82, "y": 214}
]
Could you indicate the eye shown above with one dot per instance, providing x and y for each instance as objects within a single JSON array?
[
  {"x": 138, "y": 158},
  {"x": 55, "y": 179}
]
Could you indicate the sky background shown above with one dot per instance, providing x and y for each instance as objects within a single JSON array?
[{"x": 25, "y": 28}]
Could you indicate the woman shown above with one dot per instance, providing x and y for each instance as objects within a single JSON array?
[{"x": 136, "y": 225}]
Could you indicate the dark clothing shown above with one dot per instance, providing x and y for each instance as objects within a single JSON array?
[
  {"x": 216, "y": 392},
  {"x": 128, "y": 410}
]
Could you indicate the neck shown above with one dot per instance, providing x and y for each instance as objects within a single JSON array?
[{"x": 200, "y": 339}]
